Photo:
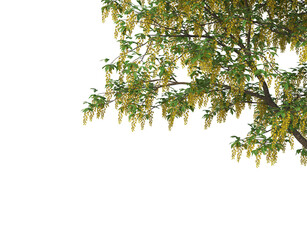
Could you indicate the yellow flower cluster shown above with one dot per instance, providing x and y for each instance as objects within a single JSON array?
[
  {"x": 131, "y": 21},
  {"x": 295, "y": 121},
  {"x": 260, "y": 109},
  {"x": 294, "y": 41},
  {"x": 250, "y": 148},
  {"x": 258, "y": 157},
  {"x": 268, "y": 37},
  {"x": 171, "y": 121},
  {"x": 274, "y": 131},
  {"x": 282, "y": 44},
  {"x": 271, "y": 6},
  {"x": 281, "y": 133},
  {"x": 271, "y": 156},
  {"x": 120, "y": 116},
  {"x": 114, "y": 13},
  {"x": 239, "y": 106},
  {"x": 291, "y": 140},
  {"x": 288, "y": 94},
  {"x": 208, "y": 122},
  {"x": 150, "y": 118},
  {"x": 85, "y": 117},
  {"x": 203, "y": 100},
  {"x": 133, "y": 123},
  {"x": 221, "y": 116},
  {"x": 146, "y": 23},
  {"x": 236, "y": 151},
  {"x": 186, "y": 116},
  {"x": 284, "y": 127},
  {"x": 229, "y": 27},
  {"x": 205, "y": 66},
  {"x": 105, "y": 13},
  {"x": 277, "y": 86},
  {"x": 192, "y": 97},
  {"x": 303, "y": 54},
  {"x": 303, "y": 160}
]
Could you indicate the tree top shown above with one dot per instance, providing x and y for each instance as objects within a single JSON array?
[{"x": 228, "y": 49}]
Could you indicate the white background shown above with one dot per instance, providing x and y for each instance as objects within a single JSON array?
[{"x": 62, "y": 180}]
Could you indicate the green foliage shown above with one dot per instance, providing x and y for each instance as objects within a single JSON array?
[{"x": 228, "y": 49}]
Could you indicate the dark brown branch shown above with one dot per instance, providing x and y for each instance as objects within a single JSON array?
[
  {"x": 299, "y": 137},
  {"x": 257, "y": 95}
]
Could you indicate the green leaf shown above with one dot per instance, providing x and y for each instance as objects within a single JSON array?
[
  {"x": 263, "y": 149},
  {"x": 105, "y": 59},
  {"x": 244, "y": 23}
]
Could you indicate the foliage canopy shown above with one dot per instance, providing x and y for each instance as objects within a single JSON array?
[{"x": 229, "y": 49}]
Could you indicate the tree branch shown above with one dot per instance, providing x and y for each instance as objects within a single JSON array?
[{"x": 267, "y": 98}]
